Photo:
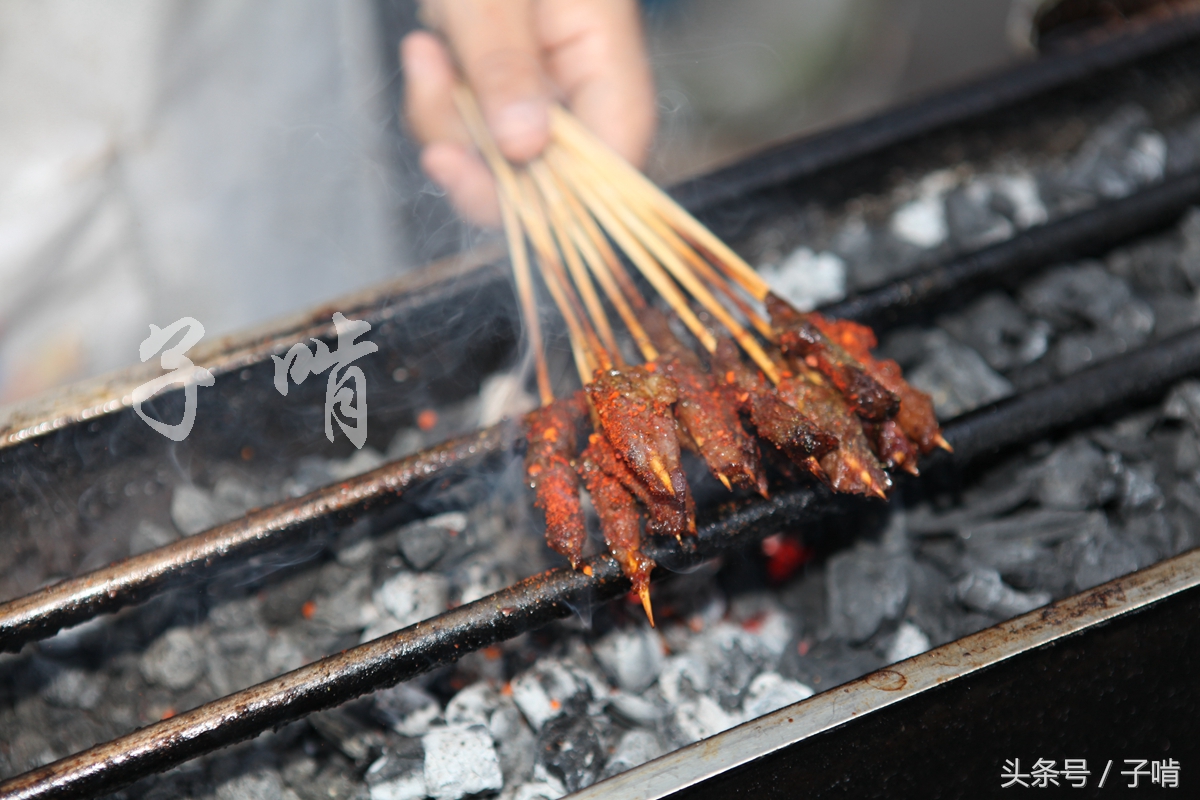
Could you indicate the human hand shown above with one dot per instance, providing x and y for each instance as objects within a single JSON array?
[{"x": 519, "y": 56}]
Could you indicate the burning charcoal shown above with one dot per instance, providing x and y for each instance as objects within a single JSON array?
[
  {"x": 1183, "y": 146},
  {"x": 1099, "y": 559},
  {"x": 1041, "y": 526},
  {"x": 333, "y": 782},
  {"x": 684, "y": 677},
  {"x": 1120, "y": 155},
  {"x": 866, "y": 587},
  {"x": 982, "y": 590},
  {"x": 922, "y": 221},
  {"x": 996, "y": 328},
  {"x": 570, "y": 750},
  {"x": 637, "y": 709},
  {"x": 175, "y": 661},
  {"x": 1173, "y": 313},
  {"x": 698, "y": 719},
  {"x": 261, "y": 784},
  {"x": 957, "y": 378},
  {"x": 193, "y": 509},
  {"x": 148, "y": 536},
  {"x": 548, "y": 690},
  {"x": 1183, "y": 404},
  {"x": 1150, "y": 266},
  {"x": 348, "y": 607},
  {"x": 398, "y": 775},
  {"x": 974, "y": 218},
  {"x": 807, "y": 279},
  {"x": 423, "y": 542},
  {"x": 1077, "y": 475},
  {"x": 460, "y": 761},
  {"x": 544, "y": 787},
  {"x": 1076, "y": 351},
  {"x": 635, "y": 748},
  {"x": 825, "y": 664},
  {"x": 406, "y": 709},
  {"x": 473, "y": 705},
  {"x": 1087, "y": 293},
  {"x": 769, "y": 692},
  {"x": 70, "y": 687},
  {"x": 908, "y": 641},
  {"x": 1138, "y": 489},
  {"x": 237, "y": 652},
  {"x": 632, "y": 657},
  {"x": 515, "y": 743},
  {"x": 734, "y": 657},
  {"x": 355, "y": 739},
  {"x": 1151, "y": 533},
  {"x": 408, "y": 598}
]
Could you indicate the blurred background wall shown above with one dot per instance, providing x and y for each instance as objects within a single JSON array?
[{"x": 236, "y": 160}]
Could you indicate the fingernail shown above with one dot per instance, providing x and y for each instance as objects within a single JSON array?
[{"x": 520, "y": 128}]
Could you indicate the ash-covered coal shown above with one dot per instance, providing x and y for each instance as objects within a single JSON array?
[{"x": 876, "y": 239}]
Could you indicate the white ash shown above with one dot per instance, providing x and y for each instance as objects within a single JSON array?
[
  {"x": 175, "y": 660},
  {"x": 407, "y": 709},
  {"x": 459, "y": 761},
  {"x": 408, "y": 598},
  {"x": 908, "y": 641},
  {"x": 807, "y": 279},
  {"x": 632, "y": 658}
]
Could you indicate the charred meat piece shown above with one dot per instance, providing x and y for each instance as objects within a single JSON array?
[
  {"x": 551, "y": 445},
  {"x": 669, "y": 516},
  {"x": 891, "y": 446},
  {"x": 916, "y": 416},
  {"x": 801, "y": 338},
  {"x": 708, "y": 415},
  {"x": 792, "y": 433},
  {"x": 634, "y": 407},
  {"x": 852, "y": 467},
  {"x": 619, "y": 520}
]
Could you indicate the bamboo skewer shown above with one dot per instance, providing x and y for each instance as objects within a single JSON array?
[
  {"x": 641, "y": 257},
  {"x": 679, "y": 271},
  {"x": 571, "y": 133},
  {"x": 600, "y": 267}
]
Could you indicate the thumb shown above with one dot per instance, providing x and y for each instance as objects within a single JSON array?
[{"x": 498, "y": 50}]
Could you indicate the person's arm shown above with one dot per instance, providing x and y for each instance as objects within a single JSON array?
[{"x": 518, "y": 56}]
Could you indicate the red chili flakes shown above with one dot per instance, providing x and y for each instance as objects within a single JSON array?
[
  {"x": 308, "y": 609},
  {"x": 427, "y": 419}
]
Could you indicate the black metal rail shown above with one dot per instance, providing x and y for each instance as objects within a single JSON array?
[{"x": 540, "y": 599}]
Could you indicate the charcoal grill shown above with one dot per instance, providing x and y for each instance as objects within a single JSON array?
[{"x": 87, "y": 437}]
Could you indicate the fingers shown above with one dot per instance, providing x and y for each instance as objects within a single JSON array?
[
  {"x": 448, "y": 158},
  {"x": 429, "y": 79},
  {"x": 466, "y": 179},
  {"x": 596, "y": 55},
  {"x": 496, "y": 45}
]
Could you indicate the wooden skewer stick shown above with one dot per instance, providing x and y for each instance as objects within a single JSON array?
[
  {"x": 533, "y": 217},
  {"x": 560, "y": 226},
  {"x": 599, "y": 241},
  {"x": 633, "y": 194},
  {"x": 568, "y": 170},
  {"x": 679, "y": 270},
  {"x": 517, "y": 252},
  {"x": 558, "y": 197},
  {"x": 571, "y": 133}
]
